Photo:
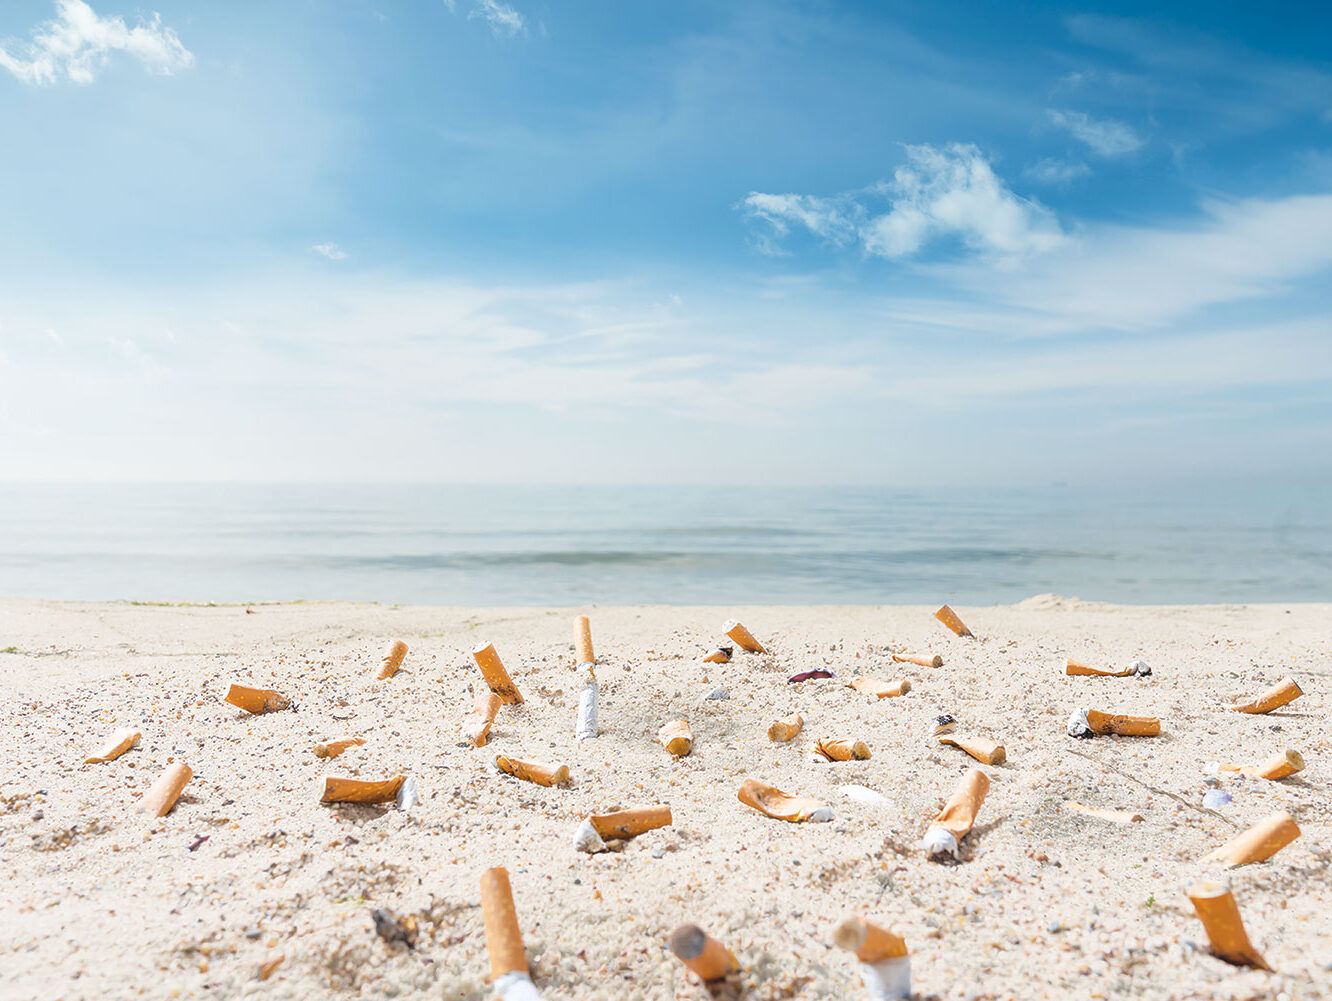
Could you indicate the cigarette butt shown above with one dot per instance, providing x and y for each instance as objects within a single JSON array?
[
  {"x": 919, "y": 659},
  {"x": 343, "y": 790},
  {"x": 742, "y": 636},
  {"x": 706, "y": 958},
  {"x": 267, "y": 967},
  {"x": 721, "y": 655},
  {"x": 335, "y": 747},
  {"x": 1090, "y": 722},
  {"x": 162, "y": 795},
  {"x": 676, "y": 737},
  {"x": 949, "y": 618},
  {"x": 879, "y": 689},
  {"x": 1281, "y": 765},
  {"x": 980, "y": 748},
  {"x": 842, "y": 750},
  {"x": 583, "y": 640},
  {"x": 540, "y": 772},
  {"x": 116, "y": 745},
  {"x": 1261, "y": 841},
  {"x": 586, "y": 726},
  {"x": 775, "y": 803},
  {"x": 504, "y": 941},
  {"x": 625, "y": 824},
  {"x": 477, "y": 725},
  {"x": 1076, "y": 668},
  {"x": 954, "y": 822},
  {"x": 1220, "y": 916},
  {"x": 392, "y": 660},
  {"x": 1114, "y": 816},
  {"x": 868, "y": 941},
  {"x": 785, "y": 728},
  {"x": 492, "y": 669},
  {"x": 1283, "y": 692},
  {"x": 257, "y": 700}
]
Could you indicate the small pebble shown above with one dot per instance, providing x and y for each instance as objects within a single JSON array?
[
  {"x": 1055, "y": 928},
  {"x": 659, "y": 853},
  {"x": 716, "y": 694},
  {"x": 1214, "y": 799},
  {"x": 252, "y": 932}
]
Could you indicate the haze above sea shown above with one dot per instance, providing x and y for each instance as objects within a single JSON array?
[{"x": 557, "y": 545}]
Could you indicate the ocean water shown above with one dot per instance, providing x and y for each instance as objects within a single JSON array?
[{"x": 510, "y": 545}]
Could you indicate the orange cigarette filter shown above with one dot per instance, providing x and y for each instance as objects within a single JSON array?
[
  {"x": 1281, "y": 765},
  {"x": 624, "y": 824},
  {"x": 116, "y": 745},
  {"x": 492, "y": 669},
  {"x": 1261, "y": 841},
  {"x": 706, "y": 958},
  {"x": 722, "y": 655},
  {"x": 842, "y": 750},
  {"x": 540, "y": 772},
  {"x": 1125, "y": 726},
  {"x": 980, "y": 748},
  {"x": 481, "y": 718},
  {"x": 268, "y": 966},
  {"x": 343, "y": 790},
  {"x": 949, "y": 618},
  {"x": 162, "y": 794},
  {"x": 779, "y": 805},
  {"x": 785, "y": 728},
  {"x": 1282, "y": 693},
  {"x": 257, "y": 700},
  {"x": 676, "y": 737},
  {"x": 1076, "y": 668},
  {"x": 742, "y": 636},
  {"x": 919, "y": 659},
  {"x": 392, "y": 660},
  {"x": 1217, "y": 910},
  {"x": 335, "y": 747},
  {"x": 879, "y": 689},
  {"x": 583, "y": 640},
  {"x": 1114, "y": 816},
  {"x": 504, "y": 941},
  {"x": 869, "y": 942},
  {"x": 959, "y": 813}
]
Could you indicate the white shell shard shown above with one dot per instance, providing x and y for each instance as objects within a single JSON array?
[
  {"x": 516, "y": 986},
  {"x": 587, "y": 711},
  {"x": 1141, "y": 668},
  {"x": 938, "y": 841},
  {"x": 1078, "y": 725},
  {"x": 408, "y": 797},
  {"x": 821, "y": 815},
  {"x": 1212, "y": 768},
  {"x": 862, "y": 794},
  {"x": 888, "y": 979},
  {"x": 586, "y": 839}
]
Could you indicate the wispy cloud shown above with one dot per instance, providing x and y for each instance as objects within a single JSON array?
[
  {"x": 1055, "y": 171},
  {"x": 1103, "y": 136},
  {"x": 503, "y": 19},
  {"x": 330, "y": 250},
  {"x": 941, "y": 193},
  {"x": 78, "y": 42}
]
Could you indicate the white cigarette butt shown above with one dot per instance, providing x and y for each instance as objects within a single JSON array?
[
  {"x": 938, "y": 841},
  {"x": 587, "y": 711},
  {"x": 586, "y": 839},
  {"x": 887, "y": 979},
  {"x": 516, "y": 986}
]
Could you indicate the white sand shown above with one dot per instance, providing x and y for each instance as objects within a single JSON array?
[{"x": 99, "y": 904}]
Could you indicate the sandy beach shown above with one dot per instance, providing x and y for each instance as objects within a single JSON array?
[{"x": 250, "y": 866}]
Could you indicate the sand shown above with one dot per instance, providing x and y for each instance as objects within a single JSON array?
[{"x": 99, "y": 903}]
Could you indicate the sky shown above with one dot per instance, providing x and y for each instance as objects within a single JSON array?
[{"x": 925, "y": 243}]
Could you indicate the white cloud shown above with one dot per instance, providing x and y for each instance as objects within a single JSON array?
[
  {"x": 502, "y": 18},
  {"x": 78, "y": 42},
  {"x": 330, "y": 250},
  {"x": 1104, "y": 137},
  {"x": 941, "y": 193},
  {"x": 1056, "y": 172}
]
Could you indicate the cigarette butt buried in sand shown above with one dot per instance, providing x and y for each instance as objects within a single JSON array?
[
  {"x": 1114, "y": 816},
  {"x": 842, "y": 750},
  {"x": 116, "y": 745},
  {"x": 392, "y": 660},
  {"x": 706, "y": 958},
  {"x": 721, "y": 655},
  {"x": 257, "y": 700},
  {"x": 492, "y": 669},
  {"x": 1217, "y": 910},
  {"x": 785, "y": 728},
  {"x": 772, "y": 801},
  {"x": 1281, "y": 765},
  {"x": 540, "y": 772},
  {"x": 981, "y": 748},
  {"x": 1282, "y": 693},
  {"x": 949, "y": 618},
  {"x": 954, "y": 822},
  {"x": 583, "y": 640},
  {"x": 884, "y": 964},
  {"x": 479, "y": 721},
  {"x": 742, "y": 636},
  {"x": 1260, "y": 842},
  {"x": 1092, "y": 722},
  {"x": 596, "y": 830},
  {"x": 1074, "y": 668},
  {"x": 343, "y": 790},
  {"x": 676, "y": 737},
  {"x": 879, "y": 689},
  {"x": 586, "y": 726},
  {"x": 504, "y": 941},
  {"x": 335, "y": 747},
  {"x": 162, "y": 795},
  {"x": 919, "y": 659}
]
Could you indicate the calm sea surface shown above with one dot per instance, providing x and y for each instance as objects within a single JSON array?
[{"x": 622, "y": 545}]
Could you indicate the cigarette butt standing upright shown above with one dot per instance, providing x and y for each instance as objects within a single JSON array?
[
  {"x": 116, "y": 745},
  {"x": 540, "y": 772},
  {"x": 949, "y": 618},
  {"x": 884, "y": 964},
  {"x": 492, "y": 669},
  {"x": 742, "y": 636},
  {"x": 1283, "y": 692},
  {"x": 954, "y": 822},
  {"x": 1261, "y": 841},
  {"x": 257, "y": 700},
  {"x": 343, "y": 790},
  {"x": 785, "y": 728},
  {"x": 676, "y": 737},
  {"x": 583, "y": 640},
  {"x": 504, "y": 941},
  {"x": 706, "y": 958},
  {"x": 981, "y": 748},
  {"x": 586, "y": 726},
  {"x": 1217, "y": 910},
  {"x": 772, "y": 801},
  {"x": 162, "y": 795},
  {"x": 842, "y": 750},
  {"x": 1281, "y": 765},
  {"x": 481, "y": 718},
  {"x": 392, "y": 660},
  {"x": 919, "y": 659}
]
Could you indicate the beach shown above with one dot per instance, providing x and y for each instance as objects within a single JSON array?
[{"x": 249, "y": 866}]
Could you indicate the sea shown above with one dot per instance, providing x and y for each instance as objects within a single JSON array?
[{"x": 725, "y": 545}]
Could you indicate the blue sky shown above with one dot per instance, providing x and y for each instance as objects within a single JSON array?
[{"x": 685, "y": 242}]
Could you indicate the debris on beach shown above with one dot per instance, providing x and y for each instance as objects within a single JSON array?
[
  {"x": 981, "y": 748},
  {"x": 744, "y": 639},
  {"x": 257, "y": 700},
  {"x": 509, "y": 974},
  {"x": 394, "y": 929},
  {"x": 772, "y": 801},
  {"x": 540, "y": 772},
  {"x": 596, "y": 831},
  {"x": 586, "y": 725},
  {"x": 944, "y": 724},
  {"x": 1260, "y": 842},
  {"x": 1282, "y": 693},
  {"x": 949, "y": 618},
  {"x": 338, "y": 789},
  {"x": 162, "y": 794},
  {"x": 885, "y": 966},
  {"x": 497, "y": 678},
  {"x": 1281, "y": 765},
  {"x": 705, "y": 957},
  {"x": 719, "y": 655},
  {"x": 1114, "y": 816},
  {"x": 392, "y": 660},
  {"x": 816, "y": 674},
  {"x": 1092, "y": 722},
  {"x": 842, "y": 750},
  {"x": 919, "y": 659},
  {"x": 332, "y": 748},
  {"x": 879, "y": 689},
  {"x": 116, "y": 745},
  {"x": 1138, "y": 668},
  {"x": 1220, "y": 916},
  {"x": 583, "y": 654},
  {"x": 954, "y": 822},
  {"x": 784, "y": 729},
  {"x": 676, "y": 737}
]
